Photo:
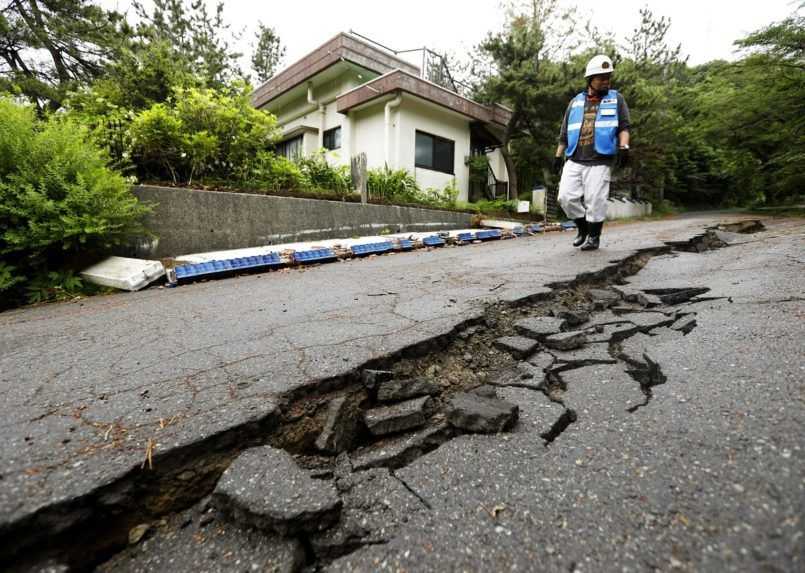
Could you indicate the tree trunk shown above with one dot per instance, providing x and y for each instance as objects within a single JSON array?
[{"x": 507, "y": 158}]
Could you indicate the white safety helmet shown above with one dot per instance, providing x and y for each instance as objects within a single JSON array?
[{"x": 600, "y": 64}]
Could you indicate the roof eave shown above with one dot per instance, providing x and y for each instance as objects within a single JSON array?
[{"x": 401, "y": 81}]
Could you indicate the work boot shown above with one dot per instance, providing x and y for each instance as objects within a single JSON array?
[
  {"x": 595, "y": 237},
  {"x": 581, "y": 225}
]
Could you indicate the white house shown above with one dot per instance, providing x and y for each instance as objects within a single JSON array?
[{"x": 349, "y": 96}]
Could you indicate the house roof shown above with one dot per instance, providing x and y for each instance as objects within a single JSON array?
[
  {"x": 341, "y": 47},
  {"x": 397, "y": 81}
]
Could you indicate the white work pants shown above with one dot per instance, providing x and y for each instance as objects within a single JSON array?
[{"x": 584, "y": 190}]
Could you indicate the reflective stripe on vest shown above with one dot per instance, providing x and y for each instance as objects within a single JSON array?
[{"x": 606, "y": 124}]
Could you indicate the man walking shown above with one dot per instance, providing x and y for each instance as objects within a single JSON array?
[{"x": 595, "y": 133}]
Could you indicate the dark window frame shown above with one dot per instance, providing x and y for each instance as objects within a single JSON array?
[
  {"x": 435, "y": 165},
  {"x": 282, "y": 148},
  {"x": 335, "y": 134}
]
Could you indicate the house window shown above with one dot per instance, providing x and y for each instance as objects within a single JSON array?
[
  {"x": 434, "y": 152},
  {"x": 290, "y": 148},
  {"x": 332, "y": 138}
]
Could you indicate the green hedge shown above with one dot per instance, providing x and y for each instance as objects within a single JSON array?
[{"x": 58, "y": 200}]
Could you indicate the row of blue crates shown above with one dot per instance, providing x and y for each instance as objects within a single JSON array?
[
  {"x": 271, "y": 260},
  {"x": 191, "y": 272},
  {"x": 485, "y": 235}
]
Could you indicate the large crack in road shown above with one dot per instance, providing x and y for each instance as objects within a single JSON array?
[{"x": 359, "y": 428}]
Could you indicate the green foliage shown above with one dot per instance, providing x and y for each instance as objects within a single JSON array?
[
  {"x": 318, "y": 174},
  {"x": 479, "y": 168},
  {"x": 718, "y": 134},
  {"x": 57, "y": 197},
  {"x": 268, "y": 52},
  {"x": 392, "y": 185},
  {"x": 445, "y": 197},
  {"x": 49, "y": 48},
  {"x": 197, "y": 37},
  {"x": 54, "y": 286},
  {"x": 272, "y": 173},
  {"x": 200, "y": 132}
]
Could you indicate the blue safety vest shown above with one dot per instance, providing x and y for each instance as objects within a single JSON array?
[{"x": 606, "y": 124}]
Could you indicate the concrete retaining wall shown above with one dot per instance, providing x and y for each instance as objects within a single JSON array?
[
  {"x": 617, "y": 207},
  {"x": 191, "y": 221}
]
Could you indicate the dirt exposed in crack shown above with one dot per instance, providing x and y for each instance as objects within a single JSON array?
[{"x": 460, "y": 361}]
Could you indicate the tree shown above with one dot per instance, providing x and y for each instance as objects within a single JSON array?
[
  {"x": 522, "y": 75},
  {"x": 648, "y": 74},
  {"x": 50, "y": 47},
  {"x": 268, "y": 52},
  {"x": 647, "y": 46},
  {"x": 195, "y": 35}
]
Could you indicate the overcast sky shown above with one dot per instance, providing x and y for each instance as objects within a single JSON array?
[{"x": 705, "y": 28}]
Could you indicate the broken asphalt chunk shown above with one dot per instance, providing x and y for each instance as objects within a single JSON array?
[
  {"x": 264, "y": 488},
  {"x": 371, "y": 378},
  {"x": 590, "y": 354},
  {"x": 473, "y": 413},
  {"x": 542, "y": 360},
  {"x": 340, "y": 427},
  {"x": 566, "y": 340},
  {"x": 648, "y": 320},
  {"x": 677, "y": 295},
  {"x": 602, "y": 298},
  {"x": 486, "y": 391},
  {"x": 613, "y": 332},
  {"x": 517, "y": 346},
  {"x": 395, "y": 390},
  {"x": 684, "y": 324},
  {"x": 397, "y": 451},
  {"x": 396, "y": 418},
  {"x": 185, "y": 543},
  {"x": 375, "y": 505},
  {"x": 573, "y": 318},
  {"x": 539, "y": 327}
]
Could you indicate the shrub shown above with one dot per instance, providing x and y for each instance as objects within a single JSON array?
[
  {"x": 320, "y": 175},
  {"x": 201, "y": 132},
  {"x": 445, "y": 197},
  {"x": 272, "y": 173},
  {"x": 57, "y": 197},
  {"x": 393, "y": 185}
]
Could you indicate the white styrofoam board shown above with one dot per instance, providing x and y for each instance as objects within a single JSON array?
[
  {"x": 123, "y": 273},
  {"x": 500, "y": 224}
]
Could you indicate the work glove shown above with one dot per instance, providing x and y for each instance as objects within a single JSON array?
[
  {"x": 556, "y": 166},
  {"x": 622, "y": 159}
]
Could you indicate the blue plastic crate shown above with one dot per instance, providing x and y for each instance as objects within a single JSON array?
[
  {"x": 314, "y": 256},
  {"x": 433, "y": 241},
  {"x": 566, "y": 225},
  {"x": 465, "y": 237},
  {"x": 405, "y": 244},
  {"x": 488, "y": 234},
  {"x": 371, "y": 248},
  {"x": 212, "y": 268}
]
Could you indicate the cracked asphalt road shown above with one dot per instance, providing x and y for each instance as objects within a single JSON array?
[
  {"x": 710, "y": 476},
  {"x": 713, "y": 466}
]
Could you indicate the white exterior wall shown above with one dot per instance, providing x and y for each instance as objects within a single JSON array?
[
  {"x": 368, "y": 131},
  {"x": 498, "y": 165},
  {"x": 416, "y": 115},
  {"x": 300, "y": 113}
]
